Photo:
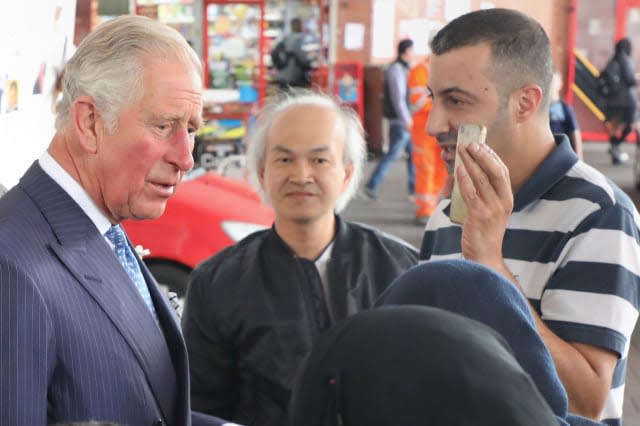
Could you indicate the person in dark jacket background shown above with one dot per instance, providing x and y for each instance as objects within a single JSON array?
[
  {"x": 253, "y": 310},
  {"x": 395, "y": 107},
  {"x": 295, "y": 71},
  {"x": 562, "y": 117},
  {"x": 621, "y": 105}
]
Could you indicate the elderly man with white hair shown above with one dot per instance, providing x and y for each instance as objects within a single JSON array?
[
  {"x": 86, "y": 334},
  {"x": 253, "y": 310}
]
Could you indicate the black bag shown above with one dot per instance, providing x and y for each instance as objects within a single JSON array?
[
  {"x": 610, "y": 80},
  {"x": 279, "y": 56}
]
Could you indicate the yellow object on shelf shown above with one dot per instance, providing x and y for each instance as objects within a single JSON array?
[
  {"x": 237, "y": 133},
  {"x": 208, "y": 129}
]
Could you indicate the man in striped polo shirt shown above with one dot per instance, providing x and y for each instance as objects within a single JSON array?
[{"x": 564, "y": 234}]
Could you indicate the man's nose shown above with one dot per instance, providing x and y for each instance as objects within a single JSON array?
[
  {"x": 181, "y": 153},
  {"x": 437, "y": 123},
  {"x": 301, "y": 171}
]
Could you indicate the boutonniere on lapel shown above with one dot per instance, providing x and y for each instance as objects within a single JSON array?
[{"x": 141, "y": 251}]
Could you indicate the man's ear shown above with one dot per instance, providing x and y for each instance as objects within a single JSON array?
[
  {"x": 261, "y": 175},
  {"x": 348, "y": 174},
  {"x": 86, "y": 122},
  {"x": 527, "y": 102}
]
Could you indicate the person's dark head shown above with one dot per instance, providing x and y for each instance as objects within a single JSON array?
[
  {"x": 405, "y": 50},
  {"x": 477, "y": 292},
  {"x": 414, "y": 365},
  {"x": 623, "y": 46},
  {"x": 296, "y": 25}
]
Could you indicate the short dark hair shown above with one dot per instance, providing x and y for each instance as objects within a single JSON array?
[
  {"x": 296, "y": 25},
  {"x": 623, "y": 46},
  {"x": 520, "y": 47},
  {"x": 404, "y": 45}
]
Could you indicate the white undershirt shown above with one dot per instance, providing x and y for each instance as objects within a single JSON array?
[{"x": 321, "y": 264}]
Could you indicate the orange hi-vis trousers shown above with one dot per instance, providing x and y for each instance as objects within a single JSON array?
[{"x": 431, "y": 171}]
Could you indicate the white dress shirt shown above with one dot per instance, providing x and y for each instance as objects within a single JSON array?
[{"x": 55, "y": 171}]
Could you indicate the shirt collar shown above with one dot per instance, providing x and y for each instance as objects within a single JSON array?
[
  {"x": 52, "y": 168},
  {"x": 552, "y": 170}
]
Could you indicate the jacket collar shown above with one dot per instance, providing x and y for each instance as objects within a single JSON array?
[
  {"x": 551, "y": 171},
  {"x": 279, "y": 246},
  {"x": 67, "y": 220},
  {"x": 402, "y": 62}
]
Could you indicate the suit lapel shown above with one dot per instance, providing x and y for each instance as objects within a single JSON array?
[
  {"x": 178, "y": 350},
  {"x": 87, "y": 255}
]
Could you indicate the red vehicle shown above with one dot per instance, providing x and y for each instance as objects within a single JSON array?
[{"x": 207, "y": 213}]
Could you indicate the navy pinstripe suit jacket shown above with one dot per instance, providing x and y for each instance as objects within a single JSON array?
[{"x": 76, "y": 339}]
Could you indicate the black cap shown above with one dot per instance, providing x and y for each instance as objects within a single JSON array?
[
  {"x": 477, "y": 292},
  {"x": 414, "y": 365}
]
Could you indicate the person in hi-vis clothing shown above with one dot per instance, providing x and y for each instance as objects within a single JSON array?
[{"x": 431, "y": 171}]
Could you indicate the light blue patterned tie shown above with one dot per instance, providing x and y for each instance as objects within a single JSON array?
[{"x": 127, "y": 258}]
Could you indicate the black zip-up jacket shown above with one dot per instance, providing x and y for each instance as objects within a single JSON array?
[
  {"x": 626, "y": 97},
  {"x": 253, "y": 311}
]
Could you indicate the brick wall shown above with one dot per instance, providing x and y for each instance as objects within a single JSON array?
[
  {"x": 354, "y": 11},
  {"x": 552, "y": 15}
]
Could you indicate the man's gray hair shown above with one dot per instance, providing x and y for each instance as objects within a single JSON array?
[
  {"x": 109, "y": 65},
  {"x": 354, "y": 149}
]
